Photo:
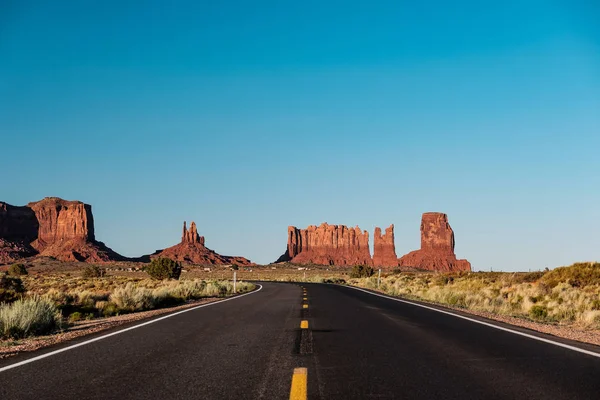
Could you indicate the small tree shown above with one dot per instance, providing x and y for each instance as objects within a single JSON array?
[
  {"x": 361, "y": 271},
  {"x": 10, "y": 288},
  {"x": 163, "y": 268},
  {"x": 17, "y": 270},
  {"x": 92, "y": 271}
]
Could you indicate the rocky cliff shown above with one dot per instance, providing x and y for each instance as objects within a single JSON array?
[
  {"x": 192, "y": 250},
  {"x": 18, "y": 228},
  {"x": 327, "y": 245},
  {"x": 437, "y": 247},
  {"x": 384, "y": 249},
  {"x": 51, "y": 227},
  {"x": 62, "y": 220}
]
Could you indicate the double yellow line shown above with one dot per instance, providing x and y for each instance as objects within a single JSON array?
[{"x": 299, "y": 388}]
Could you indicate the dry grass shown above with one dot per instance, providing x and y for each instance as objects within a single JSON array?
[
  {"x": 567, "y": 295},
  {"x": 78, "y": 298}
]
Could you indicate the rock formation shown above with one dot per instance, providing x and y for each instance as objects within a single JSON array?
[
  {"x": 51, "y": 227},
  {"x": 18, "y": 228},
  {"x": 327, "y": 245},
  {"x": 191, "y": 236},
  {"x": 192, "y": 250},
  {"x": 61, "y": 220},
  {"x": 437, "y": 247},
  {"x": 384, "y": 249}
]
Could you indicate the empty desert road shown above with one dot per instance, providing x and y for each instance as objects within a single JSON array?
[{"x": 357, "y": 346}]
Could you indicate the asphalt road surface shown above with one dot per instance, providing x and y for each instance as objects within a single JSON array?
[{"x": 355, "y": 345}]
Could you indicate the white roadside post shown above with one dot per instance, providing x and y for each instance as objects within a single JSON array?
[
  {"x": 379, "y": 278},
  {"x": 234, "y": 280}
]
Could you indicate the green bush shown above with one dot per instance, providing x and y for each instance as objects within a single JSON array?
[
  {"x": 17, "y": 270},
  {"x": 76, "y": 316},
  {"x": 163, "y": 268},
  {"x": 11, "y": 288},
  {"x": 538, "y": 312},
  {"x": 28, "y": 317},
  {"x": 361, "y": 271},
  {"x": 92, "y": 271}
]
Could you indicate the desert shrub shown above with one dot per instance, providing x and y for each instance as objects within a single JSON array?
[
  {"x": 163, "y": 268},
  {"x": 361, "y": 271},
  {"x": 527, "y": 277},
  {"x": 243, "y": 287},
  {"x": 17, "y": 270},
  {"x": 213, "y": 289},
  {"x": 11, "y": 288},
  {"x": 76, "y": 316},
  {"x": 27, "y": 317},
  {"x": 163, "y": 297},
  {"x": 109, "y": 309},
  {"x": 538, "y": 312},
  {"x": 337, "y": 281},
  {"x": 92, "y": 271},
  {"x": 577, "y": 275},
  {"x": 132, "y": 298}
]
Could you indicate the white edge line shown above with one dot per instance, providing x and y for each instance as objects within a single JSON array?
[
  {"x": 52, "y": 353},
  {"x": 541, "y": 339}
]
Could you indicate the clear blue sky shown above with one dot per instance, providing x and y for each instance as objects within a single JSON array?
[{"x": 247, "y": 117}]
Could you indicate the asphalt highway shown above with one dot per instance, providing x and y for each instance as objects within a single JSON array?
[{"x": 342, "y": 343}]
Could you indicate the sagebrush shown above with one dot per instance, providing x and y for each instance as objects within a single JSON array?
[{"x": 28, "y": 317}]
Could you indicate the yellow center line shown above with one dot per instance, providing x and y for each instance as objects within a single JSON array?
[
  {"x": 304, "y": 305},
  {"x": 305, "y": 298},
  {"x": 298, "y": 391},
  {"x": 304, "y": 324}
]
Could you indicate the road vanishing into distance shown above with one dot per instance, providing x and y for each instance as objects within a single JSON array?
[{"x": 352, "y": 345}]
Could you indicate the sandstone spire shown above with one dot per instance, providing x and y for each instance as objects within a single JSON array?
[
  {"x": 192, "y": 250},
  {"x": 384, "y": 250},
  {"x": 191, "y": 235}
]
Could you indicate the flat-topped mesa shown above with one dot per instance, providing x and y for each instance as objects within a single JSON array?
[
  {"x": 61, "y": 220},
  {"x": 51, "y": 227},
  {"x": 437, "y": 247},
  {"x": 384, "y": 249},
  {"x": 327, "y": 245},
  {"x": 191, "y": 236},
  {"x": 193, "y": 251}
]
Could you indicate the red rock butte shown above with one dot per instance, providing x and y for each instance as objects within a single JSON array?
[
  {"x": 384, "y": 249},
  {"x": 327, "y": 245},
  {"x": 437, "y": 247},
  {"x": 193, "y": 251},
  {"x": 51, "y": 227}
]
